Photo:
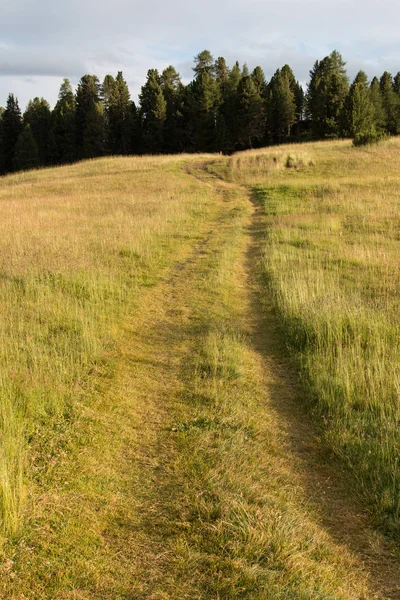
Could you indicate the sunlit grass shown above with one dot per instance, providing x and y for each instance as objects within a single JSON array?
[
  {"x": 76, "y": 246},
  {"x": 332, "y": 260}
]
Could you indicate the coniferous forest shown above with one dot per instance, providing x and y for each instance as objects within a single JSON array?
[{"x": 223, "y": 109}]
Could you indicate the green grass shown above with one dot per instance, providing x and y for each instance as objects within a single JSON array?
[{"x": 331, "y": 265}]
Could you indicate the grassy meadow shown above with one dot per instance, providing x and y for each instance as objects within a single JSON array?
[
  {"x": 77, "y": 244},
  {"x": 154, "y": 437},
  {"x": 331, "y": 263}
]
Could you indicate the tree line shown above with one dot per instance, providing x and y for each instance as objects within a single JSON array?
[{"x": 223, "y": 109}]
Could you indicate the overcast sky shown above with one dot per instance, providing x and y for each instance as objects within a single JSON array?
[{"x": 43, "y": 41}]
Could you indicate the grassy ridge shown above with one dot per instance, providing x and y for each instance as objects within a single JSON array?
[
  {"x": 331, "y": 260},
  {"x": 77, "y": 245}
]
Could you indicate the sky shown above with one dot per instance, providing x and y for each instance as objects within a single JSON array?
[{"x": 43, "y": 41}]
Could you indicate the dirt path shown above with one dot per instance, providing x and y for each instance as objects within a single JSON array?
[{"x": 206, "y": 481}]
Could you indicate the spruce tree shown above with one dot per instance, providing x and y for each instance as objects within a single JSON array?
[
  {"x": 250, "y": 114},
  {"x": 11, "y": 129},
  {"x": 391, "y": 104},
  {"x": 206, "y": 99},
  {"x": 38, "y": 116},
  {"x": 203, "y": 61},
  {"x": 118, "y": 114},
  {"x": 376, "y": 99},
  {"x": 26, "y": 151},
  {"x": 259, "y": 81},
  {"x": 153, "y": 113},
  {"x": 396, "y": 83},
  {"x": 90, "y": 118},
  {"x": 327, "y": 91},
  {"x": 172, "y": 88},
  {"x": 230, "y": 108},
  {"x": 281, "y": 106},
  {"x": 359, "y": 112},
  {"x": 62, "y": 136}
]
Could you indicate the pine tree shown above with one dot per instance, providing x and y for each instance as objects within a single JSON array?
[
  {"x": 203, "y": 61},
  {"x": 62, "y": 136},
  {"x": 326, "y": 94},
  {"x": 26, "y": 151},
  {"x": 297, "y": 90},
  {"x": 90, "y": 118},
  {"x": 38, "y": 116},
  {"x": 153, "y": 112},
  {"x": 118, "y": 115},
  {"x": 259, "y": 81},
  {"x": 250, "y": 113},
  {"x": 229, "y": 110},
  {"x": 206, "y": 99},
  {"x": 221, "y": 71},
  {"x": 376, "y": 99},
  {"x": 281, "y": 106},
  {"x": 11, "y": 129},
  {"x": 172, "y": 88},
  {"x": 396, "y": 83},
  {"x": 359, "y": 112},
  {"x": 391, "y": 104}
]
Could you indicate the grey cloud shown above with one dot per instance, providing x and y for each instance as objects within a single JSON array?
[{"x": 41, "y": 38}]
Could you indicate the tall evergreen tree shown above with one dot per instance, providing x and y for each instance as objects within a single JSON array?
[
  {"x": 26, "y": 151},
  {"x": 250, "y": 113},
  {"x": 297, "y": 90},
  {"x": 172, "y": 89},
  {"x": 11, "y": 129},
  {"x": 62, "y": 136},
  {"x": 376, "y": 99},
  {"x": 118, "y": 114},
  {"x": 259, "y": 81},
  {"x": 391, "y": 104},
  {"x": 153, "y": 111},
  {"x": 38, "y": 116},
  {"x": 281, "y": 106},
  {"x": 90, "y": 120},
  {"x": 359, "y": 111},
  {"x": 396, "y": 83},
  {"x": 206, "y": 99},
  {"x": 228, "y": 110},
  {"x": 203, "y": 61},
  {"x": 326, "y": 94}
]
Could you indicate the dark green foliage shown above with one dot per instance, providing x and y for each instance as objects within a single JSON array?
[
  {"x": 326, "y": 94},
  {"x": 172, "y": 89},
  {"x": 90, "y": 119},
  {"x": 62, "y": 137},
  {"x": 26, "y": 151},
  {"x": 221, "y": 109},
  {"x": 396, "y": 83},
  {"x": 250, "y": 114},
  {"x": 376, "y": 99},
  {"x": 153, "y": 112},
  {"x": 358, "y": 118},
  {"x": 11, "y": 127},
  {"x": 204, "y": 61},
  {"x": 205, "y": 100},
  {"x": 281, "y": 106},
  {"x": 38, "y": 116},
  {"x": 259, "y": 81},
  {"x": 118, "y": 114},
  {"x": 391, "y": 104}
]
